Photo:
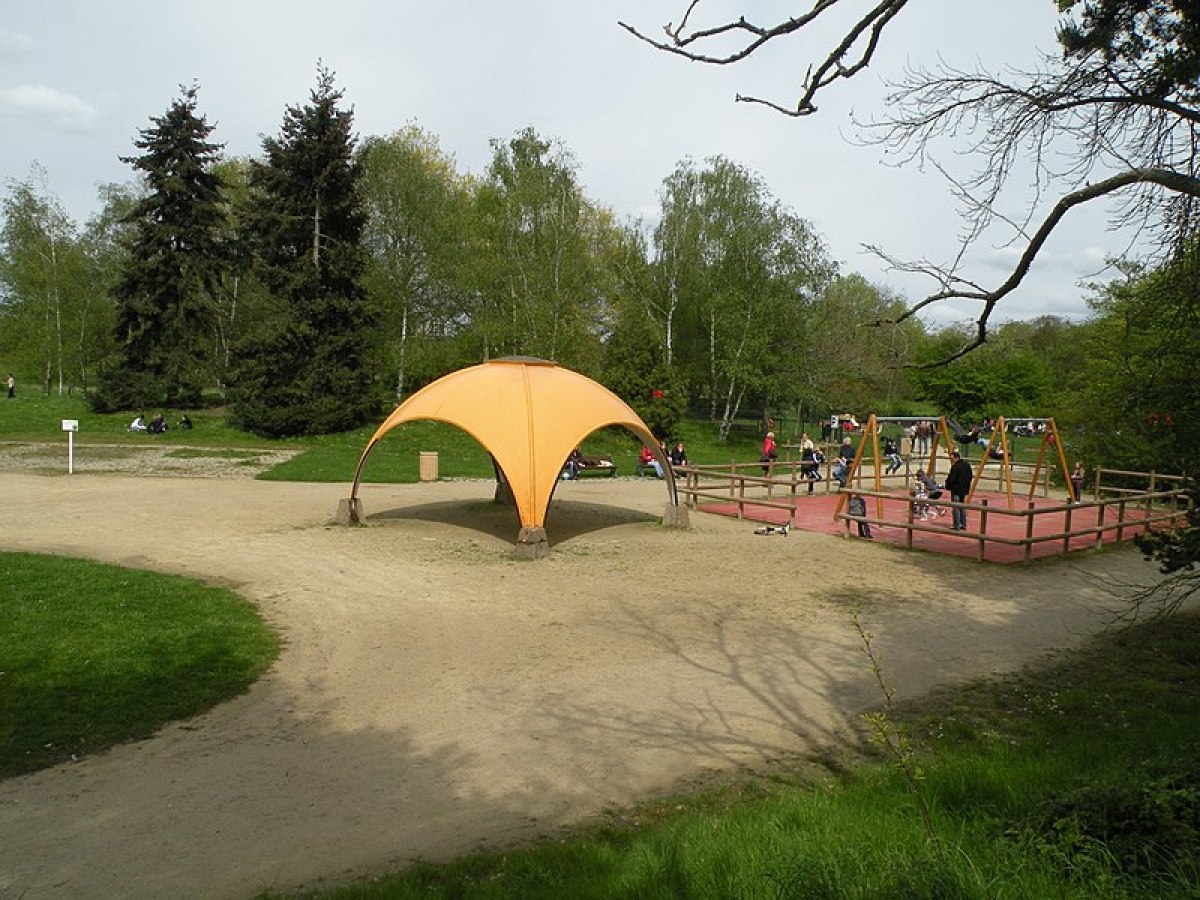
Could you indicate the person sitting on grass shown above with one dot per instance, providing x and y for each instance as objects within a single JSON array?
[{"x": 138, "y": 424}]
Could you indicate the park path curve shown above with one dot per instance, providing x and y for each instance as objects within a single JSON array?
[{"x": 435, "y": 696}]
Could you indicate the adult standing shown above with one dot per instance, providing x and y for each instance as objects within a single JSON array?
[
  {"x": 922, "y": 432},
  {"x": 770, "y": 452},
  {"x": 810, "y": 461},
  {"x": 1077, "y": 483},
  {"x": 11, "y": 384},
  {"x": 958, "y": 483}
]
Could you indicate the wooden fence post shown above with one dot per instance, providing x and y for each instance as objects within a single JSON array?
[
  {"x": 908, "y": 541},
  {"x": 1029, "y": 531},
  {"x": 983, "y": 517},
  {"x": 1066, "y": 545}
]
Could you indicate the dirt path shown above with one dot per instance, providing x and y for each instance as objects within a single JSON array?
[{"x": 435, "y": 695}]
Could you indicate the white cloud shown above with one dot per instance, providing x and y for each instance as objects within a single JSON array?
[
  {"x": 39, "y": 103},
  {"x": 14, "y": 45}
]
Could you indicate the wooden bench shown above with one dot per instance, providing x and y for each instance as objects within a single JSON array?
[{"x": 597, "y": 465}]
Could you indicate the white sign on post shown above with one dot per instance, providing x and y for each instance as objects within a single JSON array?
[{"x": 70, "y": 426}]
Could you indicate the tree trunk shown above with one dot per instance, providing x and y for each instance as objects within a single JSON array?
[
  {"x": 402, "y": 355},
  {"x": 316, "y": 247}
]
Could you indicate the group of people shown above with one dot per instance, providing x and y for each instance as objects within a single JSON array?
[
  {"x": 924, "y": 489},
  {"x": 677, "y": 456},
  {"x": 157, "y": 424}
]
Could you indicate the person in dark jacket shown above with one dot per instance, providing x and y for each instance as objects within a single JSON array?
[{"x": 958, "y": 483}]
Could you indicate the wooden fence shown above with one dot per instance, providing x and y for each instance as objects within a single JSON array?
[{"x": 1116, "y": 511}]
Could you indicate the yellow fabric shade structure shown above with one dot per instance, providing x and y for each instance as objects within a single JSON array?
[{"x": 529, "y": 414}]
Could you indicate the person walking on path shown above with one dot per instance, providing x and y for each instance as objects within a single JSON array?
[{"x": 958, "y": 483}]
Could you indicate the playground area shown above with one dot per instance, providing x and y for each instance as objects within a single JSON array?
[
  {"x": 1015, "y": 511},
  {"x": 436, "y": 696},
  {"x": 1041, "y": 528}
]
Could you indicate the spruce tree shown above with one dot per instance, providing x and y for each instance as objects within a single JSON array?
[
  {"x": 303, "y": 364},
  {"x": 164, "y": 296}
]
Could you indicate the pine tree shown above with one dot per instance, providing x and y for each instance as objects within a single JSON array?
[
  {"x": 303, "y": 366},
  {"x": 164, "y": 296}
]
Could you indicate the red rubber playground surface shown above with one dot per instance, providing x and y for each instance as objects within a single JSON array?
[{"x": 1049, "y": 524}]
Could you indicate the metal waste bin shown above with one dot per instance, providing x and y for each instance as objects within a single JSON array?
[{"x": 429, "y": 465}]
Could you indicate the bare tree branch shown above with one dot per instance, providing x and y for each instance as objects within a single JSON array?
[
  {"x": 680, "y": 41},
  {"x": 1173, "y": 181},
  {"x": 1126, "y": 103}
]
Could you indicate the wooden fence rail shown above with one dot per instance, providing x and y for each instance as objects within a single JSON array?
[{"x": 1114, "y": 509}]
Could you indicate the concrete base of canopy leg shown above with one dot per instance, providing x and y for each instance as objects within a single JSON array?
[
  {"x": 504, "y": 494},
  {"x": 676, "y": 516},
  {"x": 532, "y": 544},
  {"x": 349, "y": 511}
]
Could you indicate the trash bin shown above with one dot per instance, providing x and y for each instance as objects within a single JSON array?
[{"x": 429, "y": 465}]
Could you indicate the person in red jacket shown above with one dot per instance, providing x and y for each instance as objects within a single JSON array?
[
  {"x": 770, "y": 453},
  {"x": 647, "y": 458}
]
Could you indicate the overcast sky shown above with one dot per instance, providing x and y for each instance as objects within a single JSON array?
[{"x": 79, "y": 79}]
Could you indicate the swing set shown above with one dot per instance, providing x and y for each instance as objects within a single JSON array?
[{"x": 997, "y": 450}]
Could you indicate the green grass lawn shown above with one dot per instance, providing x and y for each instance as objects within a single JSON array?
[
  {"x": 33, "y": 417},
  {"x": 1080, "y": 780},
  {"x": 334, "y": 457},
  {"x": 92, "y": 655}
]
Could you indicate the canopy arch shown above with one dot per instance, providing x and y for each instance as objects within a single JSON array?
[{"x": 529, "y": 414}]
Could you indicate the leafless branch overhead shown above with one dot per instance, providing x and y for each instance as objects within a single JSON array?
[
  {"x": 859, "y": 42},
  {"x": 957, "y": 289}
]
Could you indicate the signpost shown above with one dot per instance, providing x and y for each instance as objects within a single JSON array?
[{"x": 70, "y": 426}]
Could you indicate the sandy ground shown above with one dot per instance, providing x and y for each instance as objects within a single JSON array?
[{"x": 436, "y": 695}]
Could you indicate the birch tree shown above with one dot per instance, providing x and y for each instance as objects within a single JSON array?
[
  {"x": 416, "y": 205},
  {"x": 537, "y": 237},
  {"x": 41, "y": 272}
]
